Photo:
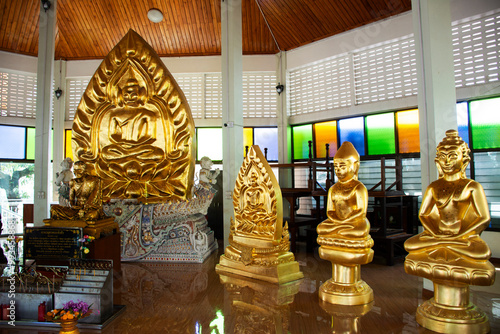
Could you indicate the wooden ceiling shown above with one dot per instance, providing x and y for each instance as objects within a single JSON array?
[{"x": 89, "y": 29}]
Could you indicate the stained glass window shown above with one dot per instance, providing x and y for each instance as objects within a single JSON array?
[
  {"x": 408, "y": 136},
  {"x": 352, "y": 130},
  {"x": 485, "y": 123},
  {"x": 301, "y": 135},
  {"x": 247, "y": 139},
  {"x": 30, "y": 145},
  {"x": 209, "y": 143},
  {"x": 68, "y": 152},
  {"x": 380, "y": 134},
  {"x": 13, "y": 139},
  {"x": 267, "y": 138},
  {"x": 325, "y": 133},
  {"x": 463, "y": 120}
]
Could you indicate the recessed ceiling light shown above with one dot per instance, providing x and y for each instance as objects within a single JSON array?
[{"x": 154, "y": 15}]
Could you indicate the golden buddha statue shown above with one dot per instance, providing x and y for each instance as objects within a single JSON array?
[
  {"x": 344, "y": 237},
  {"x": 84, "y": 197},
  {"x": 134, "y": 128},
  {"x": 450, "y": 251},
  {"x": 85, "y": 208},
  {"x": 258, "y": 242}
]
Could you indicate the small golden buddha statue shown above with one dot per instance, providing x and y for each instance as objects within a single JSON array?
[
  {"x": 344, "y": 237},
  {"x": 259, "y": 245},
  {"x": 84, "y": 197},
  {"x": 450, "y": 251}
]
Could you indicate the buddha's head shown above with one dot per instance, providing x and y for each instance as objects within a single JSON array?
[
  {"x": 452, "y": 154},
  {"x": 131, "y": 93},
  {"x": 79, "y": 169},
  {"x": 346, "y": 162}
]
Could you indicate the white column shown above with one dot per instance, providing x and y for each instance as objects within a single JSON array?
[
  {"x": 232, "y": 103},
  {"x": 58, "y": 123},
  {"x": 46, "y": 45},
  {"x": 436, "y": 79},
  {"x": 284, "y": 129}
]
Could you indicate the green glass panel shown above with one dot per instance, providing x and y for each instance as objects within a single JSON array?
[
  {"x": 485, "y": 123},
  {"x": 209, "y": 143},
  {"x": 301, "y": 135},
  {"x": 30, "y": 145},
  {"x": 380, "y": 134}
]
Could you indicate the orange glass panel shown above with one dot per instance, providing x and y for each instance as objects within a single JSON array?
[
  {"x": 247, "y": 139},
  {"x": 408, "y": 136},
  {"x": 325, "y": 133},
  {"x": 68, "y": 152}
]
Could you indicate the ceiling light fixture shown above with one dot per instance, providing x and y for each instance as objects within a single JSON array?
[
  {"x": 46, "y": 5},
  {"x": 154, "y": 15}
]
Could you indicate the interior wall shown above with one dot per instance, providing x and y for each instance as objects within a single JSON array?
[{"x": 379, "y": 32}]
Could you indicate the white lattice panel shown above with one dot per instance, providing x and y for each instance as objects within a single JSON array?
[
  {"x": 17, "y": 95},
  {"x": 75, "y": 89},
  {"x": 476, "y": 51},
  {"x": 213, "y": 96},
  {"x": 320, "y": 86},
  {"x": 385, "y": 72},
  {"x": 192, "y": 87},
  {"x": 259, "y": 95}
]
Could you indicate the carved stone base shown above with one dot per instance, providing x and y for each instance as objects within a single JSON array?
[
  {"x": 279, "y": 273},
  {"x": 93, "y": 228}
]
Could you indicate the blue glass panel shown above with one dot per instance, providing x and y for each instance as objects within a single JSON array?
[
  {"x": 13, "y": 139},
  {"x": 267, "y": 138},
  {"x": 463, "y": 121},
  {"x": 352, "y": 130}
]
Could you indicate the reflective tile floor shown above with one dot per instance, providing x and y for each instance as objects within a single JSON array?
[{"x": 193, "y": 298}]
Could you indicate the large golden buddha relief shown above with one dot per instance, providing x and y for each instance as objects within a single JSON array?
[
  {"x": 134, "y": 128},
  {"x": 257, "y": 203}
]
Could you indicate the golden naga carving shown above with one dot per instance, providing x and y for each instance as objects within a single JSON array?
[
  {"x": 258, "y": 243},
  {"x": 450, "y": 251},
  {"x": 134, "y": 127},
  {"x": 344, "y": 237}
]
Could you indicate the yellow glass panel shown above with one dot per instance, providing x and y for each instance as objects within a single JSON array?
[
  {"x": 408, "y": 136},
  {"x": 325, "y": 133},
  {"x": 247, "y": 139},
  {"x": 68, "y": 152}
]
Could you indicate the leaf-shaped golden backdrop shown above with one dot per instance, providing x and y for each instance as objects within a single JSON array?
[
  {"x": 134, "y": 128},
  {"x": 257, "y": 201}
]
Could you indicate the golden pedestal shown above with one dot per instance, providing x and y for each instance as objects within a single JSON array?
[
  {"x": 286, "y": 270},
  {"x": 93, "y": 228},
  {"x": 346, "y": 287},
  {"x": 450, "y": 310}
]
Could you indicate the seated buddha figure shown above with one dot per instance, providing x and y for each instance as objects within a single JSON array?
[
  {"x": 255, "y": 207},
  {"x": 453, "y": 213},
  {"x": 347, "y": 204},
  {"x": 449, "y": 251},
  {"x": 344, "y": 237},
  {"x": 84, "y": 197}
]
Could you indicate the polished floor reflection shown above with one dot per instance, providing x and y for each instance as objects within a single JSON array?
[{"x": 192, "y": 298}]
